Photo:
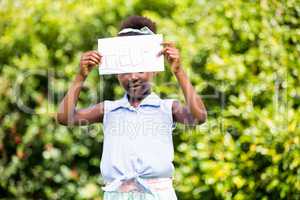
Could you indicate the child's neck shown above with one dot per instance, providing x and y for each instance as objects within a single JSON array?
[{"x": 135, "y": 101}]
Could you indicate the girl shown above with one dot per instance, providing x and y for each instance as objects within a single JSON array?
[{"x": 137, "y": 148}]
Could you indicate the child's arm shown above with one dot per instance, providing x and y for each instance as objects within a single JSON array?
[
  {"x": 67, "y": 113},
  {"x": 194, "y": 111}
]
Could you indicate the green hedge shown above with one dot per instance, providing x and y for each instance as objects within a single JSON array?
[{"x": 241, "y": 56}]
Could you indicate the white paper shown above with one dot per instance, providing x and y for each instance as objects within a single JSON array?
[{"x": 129, "y": 54}]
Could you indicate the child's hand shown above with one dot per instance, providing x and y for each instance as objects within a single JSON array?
[
  {"x": 88, "y": 61},
  {"x": 172, "y": 55}
]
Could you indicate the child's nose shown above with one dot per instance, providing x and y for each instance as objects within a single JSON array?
[{"x": 133, "y": 76}]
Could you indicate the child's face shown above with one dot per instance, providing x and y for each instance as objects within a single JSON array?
[{"x": 136, "y": 84}]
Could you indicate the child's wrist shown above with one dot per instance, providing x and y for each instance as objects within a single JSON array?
[
  {"x": 178, "y": 71},
  {"x": 80, "y": 76}
]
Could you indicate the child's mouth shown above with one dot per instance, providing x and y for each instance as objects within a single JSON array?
[{"x": 134, "y": 86}]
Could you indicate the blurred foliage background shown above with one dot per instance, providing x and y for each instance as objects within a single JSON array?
[{"x": 241, "y": 56}]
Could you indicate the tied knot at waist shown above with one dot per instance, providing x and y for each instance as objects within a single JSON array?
[
  {"x": 136, "y": 179},
  {"x": 136, "y": 183}
]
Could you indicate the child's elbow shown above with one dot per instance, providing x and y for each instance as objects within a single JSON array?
[
  {"x": 61, "y": 119},
  {"x": 201, "y": 118}
]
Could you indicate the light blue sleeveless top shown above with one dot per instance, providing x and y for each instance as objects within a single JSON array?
[{"x": 137, "y": 141}]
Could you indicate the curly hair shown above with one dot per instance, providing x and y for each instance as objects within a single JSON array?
[{"x": 137, "y": 22}]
